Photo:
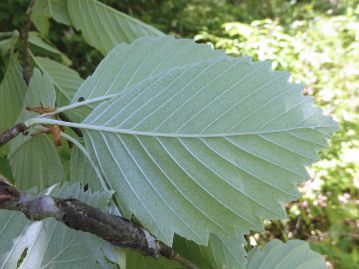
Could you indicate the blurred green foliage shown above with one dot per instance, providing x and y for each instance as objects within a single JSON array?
[
  {"x": 318, "y": 42},
  {"x": 321, "y": 50}
]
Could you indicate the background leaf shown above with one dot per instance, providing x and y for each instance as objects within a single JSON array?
[
  {"x": 104, "y": 27},
  {"x": 66, "y": 81},
  {"x": 8, "y": 43},
  {"x": 44, "y": 9},
  {"x": 81, "y": 170},
  {"x": 12, "y": 88},
  {"x": 36, "y": 40},
  {"x": 34, "y": 160},
  {"x": 36, "y": 163}
]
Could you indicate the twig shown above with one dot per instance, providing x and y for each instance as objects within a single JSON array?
[
  {"x": 12, "y": 132},
  {"x": 80, "y": 216},
  {"x": 25, "y": 40}
]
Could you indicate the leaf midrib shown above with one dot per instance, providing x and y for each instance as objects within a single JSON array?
[{"x": 35, "y": 121}]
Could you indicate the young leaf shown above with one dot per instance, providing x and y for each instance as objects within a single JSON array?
[
  {"x": 12, "y": 93},
  {"x": 49, "y": 243},
  {"x": 294, "y": 254},
  {"x": 104, "y": 27},
  {"x": 41, "y": 91},
  {"x": 66, "y": 81}
]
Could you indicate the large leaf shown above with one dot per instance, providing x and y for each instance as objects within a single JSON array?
[
  {"x": 294, "y": 254},
  {"x": 34, "y": 161},
  {"x": 49, "y": 243},
  {"x": 104, "y": 27},
  {"x": 207, "y": 148},
  {"x": 12, "y": 93},
  {"x": 214, "y": 146}
]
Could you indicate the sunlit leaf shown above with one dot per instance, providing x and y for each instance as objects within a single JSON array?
[{"x": 210, "y": 147}]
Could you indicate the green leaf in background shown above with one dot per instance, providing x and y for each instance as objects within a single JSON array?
[
  {"x": 43, "y": 10},
  {"x": 5, "y": 169},
  {"x": 81, "y": 170},
  {"x": 35, "y": 161},
  {"x": 210, "y": 147},
  {"x": 218, "y": 254},
  {"x": 8, "y": 43},
  {"x": 104, "y": 27},
  {"x": 66, "y": 80},
  {"x": 50, "y": 244},
  {"x": 12, "y": 88},
  {"x": 41, "y": 91},
  {"x": 293, "y": 254},
  {"x": 36, "y": 40}
]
